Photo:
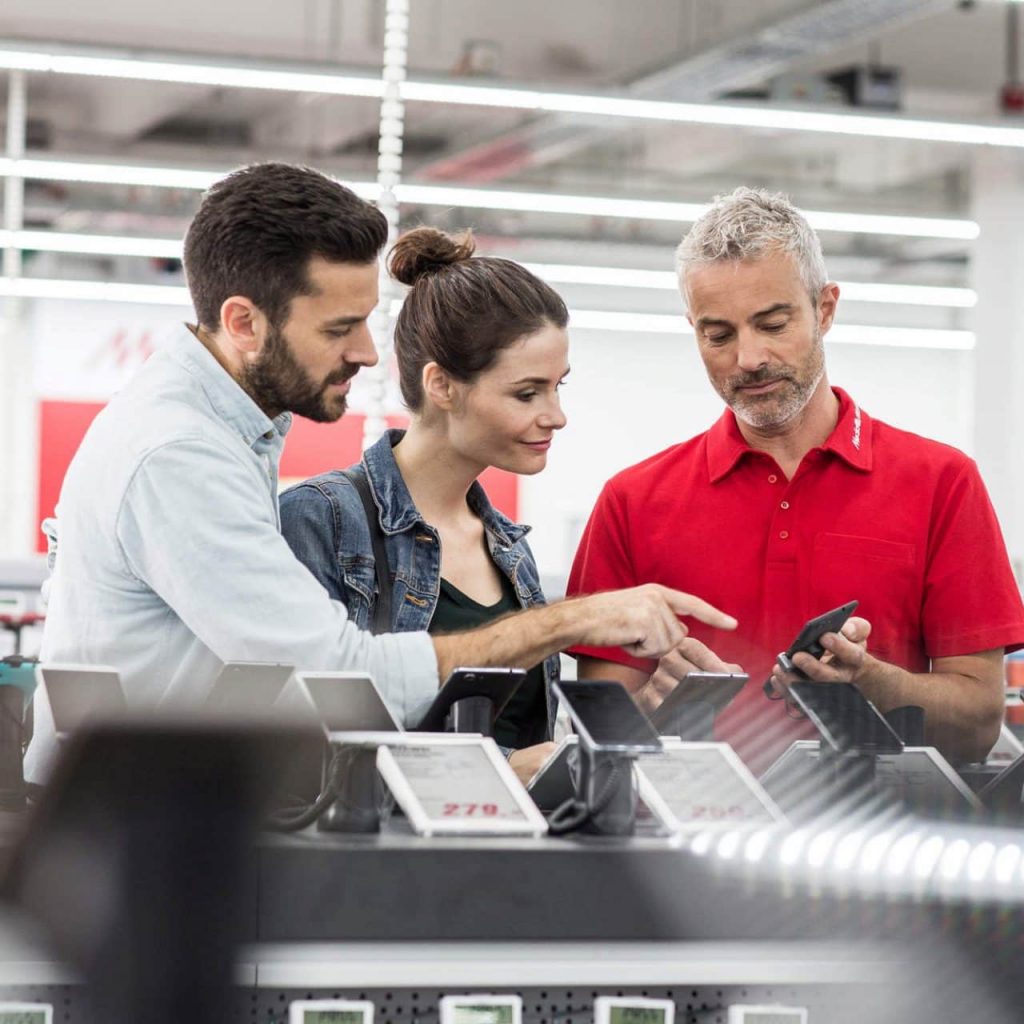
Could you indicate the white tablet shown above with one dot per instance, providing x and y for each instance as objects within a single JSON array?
[
  {"x": 348, "y": 702},
  {"x": 481, "y": 1009},
  {"x": 245, "y": 688},
  {"x": 330, "y": 1011},
  {"x": 702, "y": 785},
  {"x": 456, "y": 785},
  {"x": 26, "y": 1013},
  {"x": 80, "y": 692},
  {"x": 633, "y": 1010}
]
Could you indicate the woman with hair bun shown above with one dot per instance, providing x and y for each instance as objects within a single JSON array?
[{"x": 482, "y": 351}]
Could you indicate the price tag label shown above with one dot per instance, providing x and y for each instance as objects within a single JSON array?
[
  {"x": 633, "y": 1010},
  {"x": 330, "y": 1011},
  {"x": 481, "y": 1009},
  {"x": 698, "y": 785},
  {"x": 26, "y": 1013},
  {"x": 457, "y": 784}
]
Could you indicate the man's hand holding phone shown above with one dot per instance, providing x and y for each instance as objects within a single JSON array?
[{"x": 843, "y": 660}]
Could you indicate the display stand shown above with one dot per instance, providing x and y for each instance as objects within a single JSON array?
[{"x": 917, "y": 779}]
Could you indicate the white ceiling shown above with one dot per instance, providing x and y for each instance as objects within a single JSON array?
[{"x": 951, "y": 59}]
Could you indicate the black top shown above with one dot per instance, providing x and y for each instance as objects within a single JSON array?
[{"x": 523, "y": 722}]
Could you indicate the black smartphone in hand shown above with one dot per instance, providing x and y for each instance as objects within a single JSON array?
[{"x": 808, "y": 640}]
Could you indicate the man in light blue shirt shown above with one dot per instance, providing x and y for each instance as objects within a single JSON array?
[{"x": 166, "y": 553}]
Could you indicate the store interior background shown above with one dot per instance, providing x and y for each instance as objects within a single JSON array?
[{"x": 637, "y": 384}]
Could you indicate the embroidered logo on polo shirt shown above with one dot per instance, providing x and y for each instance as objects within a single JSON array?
[{"x": 856, "y": 427}]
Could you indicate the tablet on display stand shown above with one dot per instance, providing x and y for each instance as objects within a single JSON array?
[{"x": 456, "y": 785}]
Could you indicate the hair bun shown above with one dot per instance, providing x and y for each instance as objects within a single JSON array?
[{"x": 423, "y": 251}]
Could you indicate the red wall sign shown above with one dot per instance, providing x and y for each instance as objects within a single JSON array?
[{"x": 311, "y": 448}]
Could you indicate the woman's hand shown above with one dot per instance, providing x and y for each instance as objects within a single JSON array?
[{"x": 527, "y": 762}]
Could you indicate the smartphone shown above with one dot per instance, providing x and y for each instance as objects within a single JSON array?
[
  {"x": 845, "y": 718},
  {"x": 808, "y": 639},
  {"x": 606, "y": 716},
  {"x": 698, "y": 695},
  {"x": 497, "y": 684}
]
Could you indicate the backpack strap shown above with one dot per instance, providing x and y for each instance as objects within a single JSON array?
[{"x": 382, "y": 609}]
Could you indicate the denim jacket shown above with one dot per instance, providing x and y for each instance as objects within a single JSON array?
[{"x": 324, "y": 522}]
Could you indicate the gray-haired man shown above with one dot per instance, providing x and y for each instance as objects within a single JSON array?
[{"x": 796, "y": 501}]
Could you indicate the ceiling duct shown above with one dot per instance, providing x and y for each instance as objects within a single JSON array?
[{"x": 758, "y": 54}]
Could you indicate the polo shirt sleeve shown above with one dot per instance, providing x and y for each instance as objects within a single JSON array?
[
  {"x": 604, "y": 562},
  {"x": 971, "y": 600}
]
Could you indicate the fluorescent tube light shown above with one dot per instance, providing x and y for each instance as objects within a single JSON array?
[
  {"x": 94, "y": 61},
  {"x": 579, "y": 319},
  {"x": 845, "y": 334},
  {"x": 103, "y": 291},
  {"x": 647, "y": 209},
  {"x": 665, "y": 280},
  {"x": 554, "y": 273},
  {"x": 187, "y": 71},
  {"x": 93, "y": 245},
  {"x": 490, "y": 199}
]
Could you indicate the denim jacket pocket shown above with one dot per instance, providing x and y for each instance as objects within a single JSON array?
[{"x": 360, "y": 583}]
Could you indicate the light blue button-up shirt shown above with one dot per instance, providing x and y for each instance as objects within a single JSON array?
[{"x": 171, "y": 560}]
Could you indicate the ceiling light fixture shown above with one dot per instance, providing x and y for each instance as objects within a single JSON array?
[
  {"x": 579, "y": 319},
  {"x": 161, "y": 67},
  {"x": 665, "y": 280},
  {"x": 553, "y": 273},
  {"x": 491, "y": 199}
]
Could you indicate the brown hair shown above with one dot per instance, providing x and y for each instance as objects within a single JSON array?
[
  {"x": 463, "y": 310},
  {"x": 258, "y": 228}
]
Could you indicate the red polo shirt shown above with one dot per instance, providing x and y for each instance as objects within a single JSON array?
[{"x": 900, "y": 523}]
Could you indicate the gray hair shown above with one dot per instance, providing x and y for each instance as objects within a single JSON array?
[{"x": 749, "y": 224}]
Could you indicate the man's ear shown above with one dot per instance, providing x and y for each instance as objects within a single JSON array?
[
  {"x": 828, "y": 300},
  {"x": 242, "y": 324},
  {"x": 438, "y": 387}
]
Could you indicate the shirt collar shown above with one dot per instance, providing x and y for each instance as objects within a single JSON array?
[
  {"x": 398, "y": 511},
  {"x": 224, "y": 393},
  {"x": 850, "y": 440}
]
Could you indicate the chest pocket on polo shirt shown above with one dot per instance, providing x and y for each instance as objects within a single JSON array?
[{"x": 882, "y": 575}]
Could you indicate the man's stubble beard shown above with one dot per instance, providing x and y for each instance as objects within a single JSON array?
[
  {"x": 774, "y": 412},
  {"x": 277, "y": 383}
]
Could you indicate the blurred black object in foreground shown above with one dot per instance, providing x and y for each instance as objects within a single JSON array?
[{"x": 137, "y": 860}]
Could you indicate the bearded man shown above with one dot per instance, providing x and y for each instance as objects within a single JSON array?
[
  {"x": 170, "y": 559},
  {"x": 797, "y": 501}
]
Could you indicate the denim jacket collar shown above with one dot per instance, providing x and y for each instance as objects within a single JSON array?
[
  {"x": 397, "y": 510},
  {"x": 224, "y": 393}
]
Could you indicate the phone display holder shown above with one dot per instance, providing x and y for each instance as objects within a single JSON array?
[
  {"x": 351, "y": 777},
  {"x": 607, "y": 788},
  {"x": 473, "y": 715},
  {"x": 470, "y": 700}
]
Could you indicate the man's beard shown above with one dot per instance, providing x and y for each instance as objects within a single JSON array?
[
  {"x": 277, "y": 383},
  {"x": 774, "y": 410}
]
